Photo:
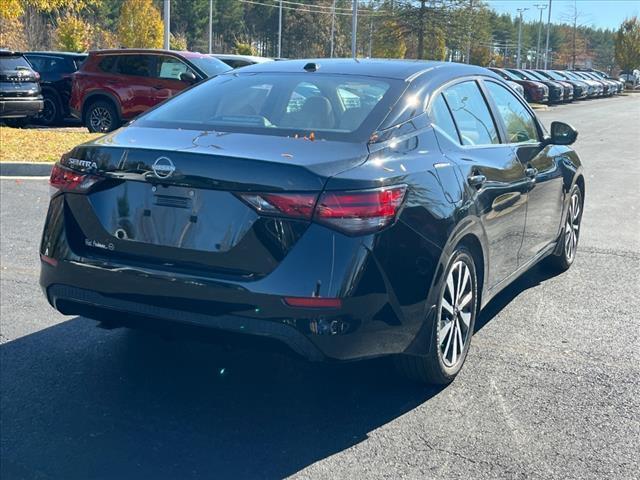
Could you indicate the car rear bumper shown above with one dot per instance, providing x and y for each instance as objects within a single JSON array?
[
  {"x": 20, "y": 107},
  {"x": 378, "y": 315}
]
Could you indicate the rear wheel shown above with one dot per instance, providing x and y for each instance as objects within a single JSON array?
[
  {"x": 565, "y": 253},
  {"x": 453, "y": 326},
  {"x": 51, "y": 113},
  {"x": 101, "y": 117}
]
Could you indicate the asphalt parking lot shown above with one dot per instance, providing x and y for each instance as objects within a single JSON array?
[{"x": 551, "y": 387}]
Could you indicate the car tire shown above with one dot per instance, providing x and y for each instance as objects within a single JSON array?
[
  {"x": 101, "y": 117},
  {"x": 51, "y": 113},
  {"x": 565, "y": 253},
  {"x": 454, "y": 319}
]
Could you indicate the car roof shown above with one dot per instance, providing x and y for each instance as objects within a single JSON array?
[
  {"x": 59, "y": 54},
  {"x": 115, "y": 51},
  {"x": 384, "y": 68},
  {"x": 9, "y": 53}
]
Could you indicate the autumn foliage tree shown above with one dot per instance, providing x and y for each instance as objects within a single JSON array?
[
  {"x": 628, "y": 44},
  {"x": 140, "y": 25},
  {"x": 73, "y": 34}
]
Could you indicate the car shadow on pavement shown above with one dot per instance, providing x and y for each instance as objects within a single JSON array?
[{"x": 83, "y": 402}]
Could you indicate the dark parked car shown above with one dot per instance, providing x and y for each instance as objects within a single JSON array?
[
  {"x": 534, "y": 91},
  {"x": 556, "y": 90},
  {"x": 596, "y": 89},
  {"x": 377, "y": 226},
  {"x": 20, "y": 97},
  {"x": 567, "y": 95},
  {"x": 55, "y": 69},
  {"x": 114, "y": 86},
  {"x": 580, "y": 88}
]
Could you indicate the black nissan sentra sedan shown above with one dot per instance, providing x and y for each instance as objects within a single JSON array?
[{"x": 350, "y": 209}]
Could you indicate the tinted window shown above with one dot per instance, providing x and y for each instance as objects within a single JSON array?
[
  {"x": 441, "y": 118},
  {"x": 171, "y": 68},
  {"x": 136, "y": 65},
  {"x": 51, "y": 64},
  {"x": 520, "y": 125},
  {"x": 13, "y": 62},
  {"x": 107, "y": 63},
  {"x": 471, "y": 114},
  {"x": 286, "y": 104}
]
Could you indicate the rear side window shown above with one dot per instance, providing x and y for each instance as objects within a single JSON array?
[
  {"x": 441, "y": 118},
  {"x": 519, "y": 123},
  {"x": 51, "y": 64},
  {"x": 107, "y": 64},
  {"x": 13, "y": 62},
  {"x": 471, "y": 114},
  {"x": 135, "y": 65}
]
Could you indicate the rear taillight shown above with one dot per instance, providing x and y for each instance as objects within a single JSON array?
[
  {"x": 64, "y": 179},
  {"x": 352, "y": 212},
  {"x": 358, "y": 212},
  {"x": 294, "y": 205}
]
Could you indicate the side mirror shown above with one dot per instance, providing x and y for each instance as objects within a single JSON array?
[
  {"x": 188, "y": 77},
  {"x": 562, "y": 134}
]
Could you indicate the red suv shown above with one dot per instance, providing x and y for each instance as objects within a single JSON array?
[{"x": 114, "y": 86}]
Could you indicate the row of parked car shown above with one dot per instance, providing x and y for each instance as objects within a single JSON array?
[
  {"x": 106, "y": 88},
  {"x": 558, "y": 86}
]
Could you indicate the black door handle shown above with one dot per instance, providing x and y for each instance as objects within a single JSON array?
[
  {"x": 476, "y": 181},
  {"x": 158, "y": 87},
  {"x": 531, "y": 172}
]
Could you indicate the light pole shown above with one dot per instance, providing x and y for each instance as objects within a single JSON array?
[
  {"x": 540, "y": 7},
  {"x": 519, "y": 10},
  {"x": 333, "y": 26},
  {"x": 280, "y": 31},
  {"x": 546, "y": 49},
  {"x": 354, "y": 29},
  {"x": 210, "y": 25},
  {"x": 167, "y": 19}
]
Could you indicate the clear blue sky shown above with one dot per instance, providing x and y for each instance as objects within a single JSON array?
[{"x": 596, "y": 13}]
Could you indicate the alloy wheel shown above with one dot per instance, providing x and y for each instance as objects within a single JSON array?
[
  {"x": 456, "y": 309},
  {"x": 48, "y": 111},
  {"x": 100, "y": 119},
  {"x": 572, "y": 227}
]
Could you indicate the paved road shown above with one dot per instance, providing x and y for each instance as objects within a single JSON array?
[{"x": 550, "y": 388}]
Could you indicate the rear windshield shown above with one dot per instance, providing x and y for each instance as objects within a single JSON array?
[
  {"x": 334, "y": 107},
  {"x": 209, "y": 65},
  {"x": 13, "y": 62}
]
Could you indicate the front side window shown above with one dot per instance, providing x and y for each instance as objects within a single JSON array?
[
  {"x": 471, "y": 114},
  {"x": 441, "y": 118},
  {"x": 284, "y": 104},
  {"x": 170, "y": 68},
  {"x": 518, "y": 121},
  {"x": 135, "y": 65}
]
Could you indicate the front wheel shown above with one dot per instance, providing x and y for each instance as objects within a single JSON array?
[{"x": 453, "y": 325}]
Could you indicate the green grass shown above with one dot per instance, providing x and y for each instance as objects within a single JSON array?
[{"x": 39, "y": 145}]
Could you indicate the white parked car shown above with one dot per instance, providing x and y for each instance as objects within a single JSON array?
[{"x": 237, "y": 61}]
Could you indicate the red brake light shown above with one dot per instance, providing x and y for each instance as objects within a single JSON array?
[
  {"x": 295, "y": 205},
  {"x": 66, "y": 180},
  {"x": 353, "y": 212},
  {"x": 313, "y": 302},
  {"x": 360, "y": 211}
]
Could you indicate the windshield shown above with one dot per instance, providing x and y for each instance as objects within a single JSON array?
[
  {"x": 14, "y": 62},
  {"x": 537, "y": 76},
  {"x": 209, "y": 65},
  {"x": 334, "y": 107},
  {"x": 550, "y": 74},
  {"x": 523, "y": 75}
]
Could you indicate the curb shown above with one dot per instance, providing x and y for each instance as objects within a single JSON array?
[{"x": 25, "y": 169}]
